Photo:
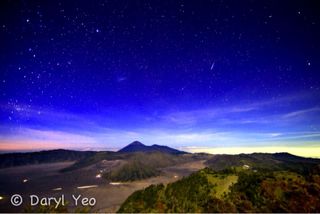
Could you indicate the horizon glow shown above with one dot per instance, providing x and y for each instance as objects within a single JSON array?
[{"x": 212, "y": 77}]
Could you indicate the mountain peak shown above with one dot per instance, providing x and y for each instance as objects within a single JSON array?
[
  {"x": 137, "y": 146},
  {"x": 136, "y": 143}
]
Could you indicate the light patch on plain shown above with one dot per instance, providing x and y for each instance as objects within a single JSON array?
[
  {"x": 57, "y": 189},
  {"x": 246, "y": 166},
  {"x": 87, "y": 187},
  {"x": 115, "y": 183}
]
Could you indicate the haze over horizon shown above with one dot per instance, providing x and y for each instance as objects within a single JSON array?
[{"x": 219, "y": 77}]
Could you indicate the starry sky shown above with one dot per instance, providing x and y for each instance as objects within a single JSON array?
[{"x": 217, "y": 76}]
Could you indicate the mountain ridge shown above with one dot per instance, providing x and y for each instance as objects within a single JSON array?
[
  {"x": 137, "y": 146},
  {"x": 81, "y": 157},
  {"x": 46, "y": 156}
]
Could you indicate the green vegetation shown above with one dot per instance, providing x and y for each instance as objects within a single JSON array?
[
  {"x": 141, "y": 165},
  {"x": 191, "y": 194},
  {"x": 98, "y": 156},
  {"x": 157, "y": 159},
  {"x": 46, "y": 209},
  {"x": 53, "y": 209},
  {"x": 281, "y": 191},
  {"x": 151, "y": 159},
  {"x": 231, "y": 190},
  {"x": 132, "y": 171},
  {"x": 222, "y": 182}
]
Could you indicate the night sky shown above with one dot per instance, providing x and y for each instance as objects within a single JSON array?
[{"x": 214, "y": 76}]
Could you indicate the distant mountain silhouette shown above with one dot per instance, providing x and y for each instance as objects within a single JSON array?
[
  {"x": 275, "y": 161},
  {"x": 137, "y": 146},
  {"x": 51, "y": 156},
  {"x": 82, "y": 158}
]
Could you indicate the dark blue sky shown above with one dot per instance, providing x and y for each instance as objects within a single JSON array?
[{"x": 189, "y": 74}]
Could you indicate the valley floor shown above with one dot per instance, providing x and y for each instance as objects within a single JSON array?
[{"x": 45, "y": 180}]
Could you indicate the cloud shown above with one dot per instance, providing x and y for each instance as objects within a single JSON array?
[
  {"x": 275, "y": 134},
  {"x": 239, "y": 116},
  {"x": 262, "y": 112},
  {"x": 234, "y": 125},
  {"x": 114, "y": 139},
  {"x": 195, "y": 116},
  {"x": 301, "y": 112}
]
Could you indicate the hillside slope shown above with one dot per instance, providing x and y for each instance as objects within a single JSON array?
[
  {"x": 276, "y": 161},
  {"x": 242, "y": 191},
  {"x": 141, "y": 165}
]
